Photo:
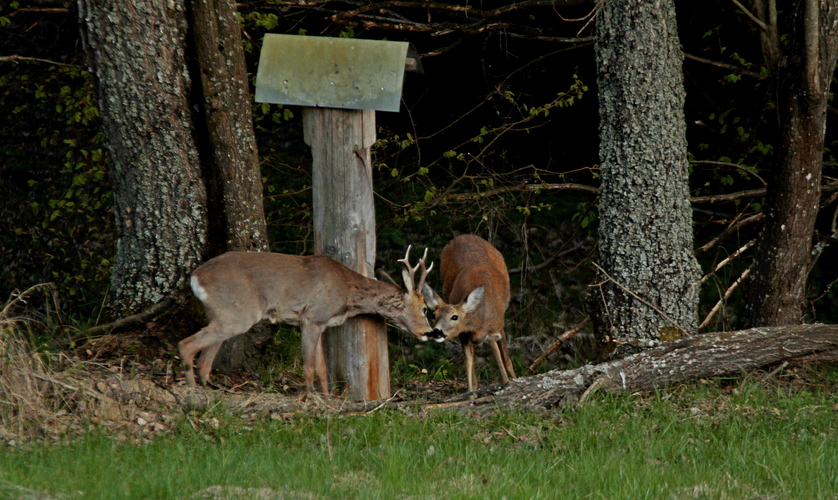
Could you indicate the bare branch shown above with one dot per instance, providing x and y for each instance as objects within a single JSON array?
[
  {"x": 722, "y": 65},
  {"x": 558, "y": 343},
  {"x": 716, "y": 198},
  {"x": 754, "y": 18},
  {"x": 521, "y": 188},
  {"x": 729, "y": 259},
  {"x": 729, "y": 164},
  {"x": 727, "y": 295},
  {"x": 732, "y": 228},
  {"x": 16, "y": 58}
]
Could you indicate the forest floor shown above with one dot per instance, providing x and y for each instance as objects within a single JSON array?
[{"x": 132, "y": 388}]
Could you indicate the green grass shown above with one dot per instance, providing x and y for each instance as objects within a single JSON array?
[{"x": 695, "y": 442}]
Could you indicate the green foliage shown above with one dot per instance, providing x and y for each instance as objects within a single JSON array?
[{"x": 68, "y": 218}]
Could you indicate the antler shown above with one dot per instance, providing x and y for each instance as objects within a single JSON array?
[{"x": 409, "y": 273}]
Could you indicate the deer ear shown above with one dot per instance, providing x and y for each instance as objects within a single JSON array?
[
  {"x": 408, "y": 280},
  {"x": 386, "y": 277},
  {"x": 474, "y": 299},
  {"x": 432, "y": 300}
]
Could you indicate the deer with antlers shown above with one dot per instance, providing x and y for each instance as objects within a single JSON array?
[{"x": 238, "y": 289}]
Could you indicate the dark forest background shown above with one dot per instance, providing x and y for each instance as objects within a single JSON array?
[{"x": 498, "y": 137}]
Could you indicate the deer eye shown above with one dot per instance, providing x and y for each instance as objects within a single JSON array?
[
  {"x": 424, "y": 310},
  {"x": 454, "y": 317}
]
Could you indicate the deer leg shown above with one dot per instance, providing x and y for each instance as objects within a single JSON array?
[
  {"x": 322, "y": 373},
  {"x": 468, "y": 353},
  {"x": 205, "y": 342},
  {"x": 205, "y": 361},
  {"x": 504, "y": 349},
  {"x": 191, "y": 346},
  {"x": 499, "y": 359},
  {"x": 311, "y": 345}
]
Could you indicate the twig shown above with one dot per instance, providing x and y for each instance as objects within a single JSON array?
[
  {"x": 729, "y": 164},
  {"x": 722, "y": 65},
  {"x": 727, "y": 260},
  {"x": 753, "y": 18},
  {"x": 546, "y": 262},
  {"x": 734, "y": 226},
  {"x": 522, "y": 188},
  {"x": 557, "y": 343},
  {"x": 717, "y": 198},
  {"x": 641, "y": 299},
  {"x": 21, "y": 297},
  {"x": 727, "y": 295},
  {"x": 774, "y": 372},
  {"x": 16, "y": 58}
]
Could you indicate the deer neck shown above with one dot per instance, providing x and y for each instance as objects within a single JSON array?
[{"x": 374, "y": 297}]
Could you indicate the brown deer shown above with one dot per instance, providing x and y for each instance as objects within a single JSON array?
[
  {"x": 238, "y": 289},
  {"x": 476, "y": 283}
]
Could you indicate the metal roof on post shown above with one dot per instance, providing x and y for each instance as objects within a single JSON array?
[{"x": 326, "y": 72}]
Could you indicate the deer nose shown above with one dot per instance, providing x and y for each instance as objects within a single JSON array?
[{"x": 437, "y": 335}]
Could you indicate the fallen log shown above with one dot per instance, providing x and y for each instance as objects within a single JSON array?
[{"x": 683, "y": 360}]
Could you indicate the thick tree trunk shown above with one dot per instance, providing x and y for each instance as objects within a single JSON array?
[
  {"x": 646, "y": 241},
  {"x": 226, "y": 93},
  {"x": 137, "y": 51},
  {"x": 777, "y": 289},
  {"x": 683, "y": 360}
]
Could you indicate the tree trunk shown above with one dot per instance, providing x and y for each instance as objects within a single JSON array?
[
  {"x": 234, "y": 178},
  {"x": 782, "y": 259},
  {"x": 229, "y": 123},
  {"x": 702, "y": 356},
  {"x": 137, "y": 51},
  {"x": 648, "y": 280}
]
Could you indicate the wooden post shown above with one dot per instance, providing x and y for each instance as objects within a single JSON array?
[{"x": 344, "y": 229}]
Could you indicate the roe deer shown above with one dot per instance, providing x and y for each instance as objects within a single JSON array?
[
  {"x": 476, "y": 283},
  {"x": 238, "y": 289}
]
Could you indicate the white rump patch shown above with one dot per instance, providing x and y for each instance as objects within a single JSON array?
[{"x": 197, "y": 289}]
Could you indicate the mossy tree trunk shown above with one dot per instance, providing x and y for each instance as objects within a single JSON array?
[
  {"x": 648, "y": 281},
  {"x": 175, "y": 104},
  {"x": 137, "y": 51}
]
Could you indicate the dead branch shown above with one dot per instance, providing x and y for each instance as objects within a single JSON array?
[
  {"x": 15, "y": 58},
  {"x": 727, "y": 295},
  {"x": 558, "y": 343},
  {"x": 128, "y": 322},
  {"x": 734, "y": 226},
  {"x": 727, "y": 260},
  {"x": 641, "y": 299}
]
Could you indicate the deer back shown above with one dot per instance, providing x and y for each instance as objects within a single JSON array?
[
  {"x": 279, "y": 287},
  {"x": 245, "y": 287}
]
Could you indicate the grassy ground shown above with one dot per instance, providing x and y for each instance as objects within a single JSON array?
[{"x": 699, "y": 441}]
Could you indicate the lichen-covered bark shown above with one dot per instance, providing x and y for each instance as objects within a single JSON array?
[
  {"x": 692, "y": 358},
  {"x": 775, "y": 294},
  {"x": 226, "y": 93},
  {"x": 136, "y": 49},
  {"x": 646, "y": 240}
]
